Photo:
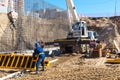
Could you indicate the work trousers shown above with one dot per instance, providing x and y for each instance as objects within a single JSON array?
[{"x": 40, "y": 60}]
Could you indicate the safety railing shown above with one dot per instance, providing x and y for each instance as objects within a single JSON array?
[{"x": 18, "y": 61}]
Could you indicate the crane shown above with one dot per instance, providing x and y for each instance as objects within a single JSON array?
[{"x": 79, "y": 36}]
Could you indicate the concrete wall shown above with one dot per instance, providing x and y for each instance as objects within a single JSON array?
[
  {"x": 43, "y": 29},
  {"x": 6, "y": 33},
  {"x": 29, "y": 30}
]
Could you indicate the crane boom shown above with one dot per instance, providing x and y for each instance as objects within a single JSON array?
[
  {"x": 72, "y": 9},
  {"x": 78, "y": 28}
]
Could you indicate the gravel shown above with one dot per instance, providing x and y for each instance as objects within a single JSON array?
[{"x": 74, "y": 68}]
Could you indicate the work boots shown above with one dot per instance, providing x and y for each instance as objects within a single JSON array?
[
  {"x": 42, "y": 68},
  {"x": 37, "y": 71}
]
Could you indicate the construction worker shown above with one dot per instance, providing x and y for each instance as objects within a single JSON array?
[
  {"x": 99, "y": 47},
  {"x": 41, "y": 56}
]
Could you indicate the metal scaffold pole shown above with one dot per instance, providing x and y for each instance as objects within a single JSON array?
[{"x": 19, "y": 35}]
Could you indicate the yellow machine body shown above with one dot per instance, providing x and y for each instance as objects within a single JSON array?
[{"x": 113, "y": 61}]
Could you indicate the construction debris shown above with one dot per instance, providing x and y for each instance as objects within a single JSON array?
[{"x": 10, "y": 75}]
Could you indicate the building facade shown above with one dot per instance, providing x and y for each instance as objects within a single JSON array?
[{"x": 11, "y": 5}]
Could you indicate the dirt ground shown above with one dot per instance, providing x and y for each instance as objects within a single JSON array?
[{"x": 69, "y": 67}]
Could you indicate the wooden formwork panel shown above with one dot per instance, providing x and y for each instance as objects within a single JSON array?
[{"x": 18, "y": 61}]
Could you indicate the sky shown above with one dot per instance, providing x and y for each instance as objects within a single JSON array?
[
  {"x": 84, "y": 7},
  {"x": 92, "y": 7}
]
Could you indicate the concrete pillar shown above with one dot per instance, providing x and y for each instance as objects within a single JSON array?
[{"x": 20, "y": 7}]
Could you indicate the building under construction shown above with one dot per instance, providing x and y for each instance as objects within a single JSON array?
[
  {"x": 24, "y": 22},
  {"x": 33, "y": 24}
]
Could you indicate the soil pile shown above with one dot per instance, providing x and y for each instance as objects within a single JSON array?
[{"x": 108, "y": 29}]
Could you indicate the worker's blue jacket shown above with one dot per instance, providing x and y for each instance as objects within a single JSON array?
[{"x": 38, "y": 50}]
